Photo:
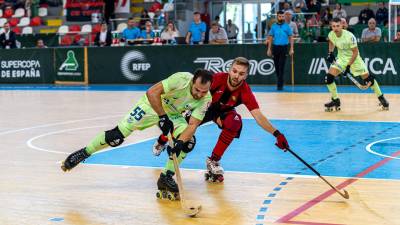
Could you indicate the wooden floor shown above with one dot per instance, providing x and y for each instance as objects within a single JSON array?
[{"x": 33, "y": 189}]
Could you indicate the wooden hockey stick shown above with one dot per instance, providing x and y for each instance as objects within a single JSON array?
[{"x": 344, "y": 195}]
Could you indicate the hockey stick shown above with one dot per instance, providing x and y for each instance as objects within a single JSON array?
[
  {"x": 191, "y": 210},
  {"x": 344, "y": 195},
  {"x": 350, "y": 76}
]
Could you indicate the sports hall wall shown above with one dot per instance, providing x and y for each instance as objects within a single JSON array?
[{"x": 149, "y": 64}]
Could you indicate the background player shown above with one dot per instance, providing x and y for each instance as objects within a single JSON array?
[
  {"x": 163, "y": 104},
  {"x": 228, "y": 91},
  {"x": 349, "y": 60}
]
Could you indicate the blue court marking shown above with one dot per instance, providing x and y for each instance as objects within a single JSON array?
[
  {"x": 144, "y": 87},
  {"x": 334, "y": 148},
  {"x": 56, "y": 219}
]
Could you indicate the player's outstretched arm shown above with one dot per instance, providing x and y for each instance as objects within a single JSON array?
[{"x": 281, "y": 141}]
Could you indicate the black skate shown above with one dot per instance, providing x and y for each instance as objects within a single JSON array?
[
  {"x": 167, "y": 187},
  {"x": 383, "y": 102},
  {"x": 334, "y": 104},
  {"x": 215, "y": 172},
  {"x": 74, "y": 159}
]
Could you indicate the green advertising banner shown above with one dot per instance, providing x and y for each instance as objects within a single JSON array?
[
  {"x": 69, "y": 64},
  {"x": 382, "y": 60},
  {"x": 150, "y": 64},
  {"x": 26, "y": 66}
]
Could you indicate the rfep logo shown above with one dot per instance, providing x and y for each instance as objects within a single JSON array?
[{"x": 133, "y": 64}]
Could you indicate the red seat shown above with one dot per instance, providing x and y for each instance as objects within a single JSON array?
[
  {"x": 36, "y": 21},
  {"x": 66, "y": 40},
  {"x": 8, "y": 13},
  {"x": 74, "y": 28},
  {"x": 13, "y": 21},
  {"x": 77, "y": 38},
  {"x": 16, "y": 30},
  {"x": 96, "y": 28}
]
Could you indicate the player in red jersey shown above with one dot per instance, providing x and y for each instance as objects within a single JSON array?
[{"x": 229, "y": 90}]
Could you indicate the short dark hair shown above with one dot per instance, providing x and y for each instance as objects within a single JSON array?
[
  {"x": 336, "y": 20},
  {"x": 204, "y": 75},
  {"x": 196, "y": 13},
  {"x": 280, "y": 12}
]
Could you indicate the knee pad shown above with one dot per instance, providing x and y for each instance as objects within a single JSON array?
[
  {"x": 114, "y": 137},
  {"x": 329, "y": 79},
  {"x": 232, "y": 123},
  {"x": 189, "y": 145},
  {"x": 370, "y": 78}
]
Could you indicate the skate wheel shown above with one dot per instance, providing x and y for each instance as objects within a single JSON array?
[
  {"x": 63, "y": 167},
  {"x": 338, "y": 109},
  {"x": 220, "y": 178},
  {"x": 328, "y": 110},
  {"x": 207, "y": 176},
  {"x": 170, "y": 197},
  {"x": 158, "y": 195},
  {"x": 164, "y": 194}
]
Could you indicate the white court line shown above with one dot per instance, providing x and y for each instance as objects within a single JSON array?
[{"x": 368, "y": 148}]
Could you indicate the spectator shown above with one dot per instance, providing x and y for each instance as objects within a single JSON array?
[
  {"x": 314, "y": 6},
  {"x": 143, "y": 19},
  {"x": 159, "y": 19},
  {"x": 292, "y": 25},
  {"x": 217, "y": 34},
  {"x": 385, "y": 32},
  {"x": 326, "y": 16},
  {"x": 109, "y": 10},
  {"x": 8, "y": 37},
  {"x": 206, "y": 18},
  {"x": 299, "y": 3},
  {"x": 40, "y": 44},
  {"x": 28, "y": 5},
  {"x": 298, "y": 14},
  {"x": 170, "y": 33},
  {"x": 339, "y": 12},
  {"x": 232, "y": 30},
  {"x": 131, "y": 32},
  {"x": 382, "y": 14},
  {"x": 397, "y": 38},
  {"x": 365, "y": 15},
  {"x": 148, "y": 32},
  {"x": 263, "y": 28},
  {"x": 372, "y": 33},
  {"x": 345, "y": 25},
  {"x": 287, "y": 7},
  {"x": 218, "y": 20},
  {"x": 103, "y": 38},
  {"x": 196, "y": 31}
]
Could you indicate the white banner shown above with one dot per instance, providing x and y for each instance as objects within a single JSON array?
[{"x": 123, "y": 6}]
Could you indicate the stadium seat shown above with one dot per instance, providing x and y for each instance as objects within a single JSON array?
[
  {"x": 2, "y": 22},
  {"x": 16, "y": 30},
  {"x": 27, "y": 30},
  {"x": 63, "y": 29},
  {"x": 8, "y": 13},
  {"x": 121, "y": 27},
  {"x": 13, "y": 22},
  {"x": 25, "y": 21},
  {"x": 20, "y": 12},
  {"x": 74, "y": 28},
  {"x": 353, "y": 21},
  {"x": 43, "y": 12},
  {"x": 96, "y": 28},
  {"x": 87, "y": 28},
  {"x": 36, "y": 21},
  {"x": 66, "y": 40}
]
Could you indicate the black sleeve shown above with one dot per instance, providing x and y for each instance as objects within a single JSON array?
[{"x": 96, "y": 39}]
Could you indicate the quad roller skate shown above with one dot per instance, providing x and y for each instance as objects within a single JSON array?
[
  {"x": 332, "y": 105},
  {"x": 215, "y": 172},
  {"x": 167, "y": 187},
  {"x": 160, "y": 145},
  {"x": 383, "y": 102},
  {"x": 74, "y": 159}
]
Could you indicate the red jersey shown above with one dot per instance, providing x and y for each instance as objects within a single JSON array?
[{"x": 224, "y": 100}]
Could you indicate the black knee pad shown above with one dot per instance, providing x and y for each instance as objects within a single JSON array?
[
  {"x": 114, "y": 137},
  {"x": 370, "y": 78},
  {"x": 189, "y": 145},
  {"x": 329, "y": 79}
]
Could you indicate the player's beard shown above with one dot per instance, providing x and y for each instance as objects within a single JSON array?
[{"x": 234, "y": 85}]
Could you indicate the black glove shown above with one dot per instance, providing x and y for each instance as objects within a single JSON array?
[
  {"x": 330, "y": 58},
  {"x": 165, "y": 124},
  {"x": 178, "y": 147},
  {"x": 347, "y": 71}
]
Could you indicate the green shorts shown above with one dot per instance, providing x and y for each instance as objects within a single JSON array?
[
  {"x": 143, "y": 116},
  {"x": 358, "y": 68}
]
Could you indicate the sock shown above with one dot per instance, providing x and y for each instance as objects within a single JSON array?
[
  {"x": 224, "y": 140},
  {"x": 170, "y": 163},
  {"x": 332, "y": 89},
  {"x": 376, "y": 88},
  {"x": 97, "y": 143}
]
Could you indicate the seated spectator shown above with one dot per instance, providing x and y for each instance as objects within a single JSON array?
[
  {"x": 397, "y": 38},
  {"x": 232, "y": 30},
  {"x": 287, "y": 7},
  {"x": 8, "y": 37},
  {"x": 326, "y": 16},
  {"x": 40, "y": 44},
  {"x": 365, "y": 15},
  {"x": 217, "y": 34},
  {"x": 196, "y": 32},
  {"x": 314, "y": 7},
  {"x": 372, "y": 33},
  {"x": 339, "y": 12},
  {"x": 143, "y": 19},
  {"x": 301, "y": 3},
  {"x": 131, "y": 32},
  {"x": 104, "y": 37},
  {"x": 382, "y": 14},
  {"x": 345, "y": 25},
  {"x": 170, "y": 33},
  {"x": 292, "y": 25},
  {"x": 148, "y": 32},
  {"x": 159, "y": 19}
]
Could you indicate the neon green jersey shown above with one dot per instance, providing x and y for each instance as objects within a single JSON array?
[
  {"x": 344, "y": 44},
  {"x": 177, "y": 97}
]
